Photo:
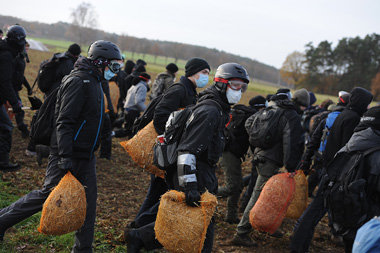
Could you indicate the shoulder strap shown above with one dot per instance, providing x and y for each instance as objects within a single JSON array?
[
  {"x": 207, "y": 102},
  {"x": 371, "y": 150}
]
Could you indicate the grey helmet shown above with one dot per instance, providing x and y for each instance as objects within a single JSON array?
[
  {"x": 228, "y": 71},
  {"x": 104, "y": 50},
  {"x": 16, "y": 35}
]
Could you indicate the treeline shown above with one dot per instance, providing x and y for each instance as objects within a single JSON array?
[
  {"x": 328, "y": 69},
  {"x": 65, "y": 31}
]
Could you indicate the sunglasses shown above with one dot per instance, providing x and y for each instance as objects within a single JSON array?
[{"x": 237, "y": 85}]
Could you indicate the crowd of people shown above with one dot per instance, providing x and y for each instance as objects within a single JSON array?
[{"x": 219, "y": 133}]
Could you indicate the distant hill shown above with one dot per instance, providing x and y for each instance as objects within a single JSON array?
[{"x": 64, "y": 31}]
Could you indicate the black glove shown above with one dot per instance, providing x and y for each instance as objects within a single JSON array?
[
  {"x": 192, "y": 194},
  {"x": 305, "y": 166},
  {"x": 65, "y": 164},
  {"x": 30, "y": 92},
  {"x": 17, "y": 109}
]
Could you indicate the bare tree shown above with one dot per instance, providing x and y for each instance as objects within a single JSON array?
[{"x": 83, "y": 22}]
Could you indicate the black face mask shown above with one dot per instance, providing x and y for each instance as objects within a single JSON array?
[{"x": 18, "y": 45}]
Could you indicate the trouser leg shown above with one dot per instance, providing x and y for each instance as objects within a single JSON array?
[
  {"x": 20, "y": 116},
  {"x": 149, "y": 208},
  {"x": 251, "y": 185},
  {"x": 130, "y": 117},
  {"x": 106, "y": 138},
  {"x": 85, "y": 172},
  {"x": 265, "y": 171},
  {"x": 304, "y": 229},
  {"x": 148, "y": 237},
  {"x": 32, "y": 203},
  {"x": 209, "y": 241},
  {"x": 5, "y": 135}
]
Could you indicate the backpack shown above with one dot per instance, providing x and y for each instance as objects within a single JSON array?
[
  {"x": 316, "y": 119},
  {"x": 347, "y": 196},
  {"x": 326, "y": 130},
  {"x": 263, "y": 130},
  {"x": 238, "y": 115},
  {"x": 47, "y": 72},
  {"x": 165, "y": 150},
  {"x": 43, "y": 120},
  {"x": 306, "y": 117}
]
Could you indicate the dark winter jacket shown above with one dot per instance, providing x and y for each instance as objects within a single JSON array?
[
  {"x": 120, "y": 80},
  {"x": 163, "y": 81},
  {"x": 204, "y": 137},
  {"x": 79, "y": 112},
  {"x": 288, "y": 151},
  {"x": 18, "y": 76},
  {"x": 177, "y": 96},
  {"x": 7, "y": 69},
  {"x": 345, "y": 123},
  {"x": 66, "y": 64},
  {"x": 361, "y": 141},
  {"x": 316, "y": 137},
  {"x": 237, "y": 139}
]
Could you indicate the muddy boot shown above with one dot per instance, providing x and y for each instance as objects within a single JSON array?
[
  {"x": 223, "y": 192},
  {"x": 6, "y": 165},
  {"x": 134, "y": 244},
  {"x": 232, "y": 209},
  {"x": 42, "y": 152},
  {"x": 24, "y": 131},
  {"x": 243, "y": 240}
]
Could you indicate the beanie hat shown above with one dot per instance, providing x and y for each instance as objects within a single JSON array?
[
  {"x": 140, "y": 62},
  {"x": 258, "y": 101},
  {"x": 313, "y": 99},
  {"x": 74, "y": 49},
  {"x": 140, "y": 68},
  {"x": 371, "y": 118},
  {"x": 129, "y": 66},
  {"x": 172, "y": 68},
  {"x": 269, "y": 97},
  {"x": 194, "y": 65},
  {"x": 142, "y": 77},
  {"x": 302, "y": 97}
]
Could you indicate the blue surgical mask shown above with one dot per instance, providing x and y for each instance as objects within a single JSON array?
[
  {"x": 201, "y": 81},
  {"x": 108, "y": 74},
  {"x": 233, "y": 96}
]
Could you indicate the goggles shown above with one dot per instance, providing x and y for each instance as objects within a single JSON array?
[
  {"x": 233, "y": 84},
  {"x": 115, "y": 66}
]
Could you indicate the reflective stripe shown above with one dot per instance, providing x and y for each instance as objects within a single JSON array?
[
  {"x": 187, "y": 159},
  {"x": 182, "y": 180},
  {"x": 80, "y": 128}
]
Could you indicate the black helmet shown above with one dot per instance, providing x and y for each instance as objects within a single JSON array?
[
  {"x": 228, "y": 71},
  {"x": 104, "y": 50},
  {"x": 16, "y": 37}
]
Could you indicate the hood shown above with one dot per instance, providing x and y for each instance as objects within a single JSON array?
[
  {"x": 214, "y": 94},
  {"x": 85, "y": 64},
  {"x": 364, "y": 139},
  {"x": 5, "y": 46},
  {"x": 283, "y": 103},
  {"x": 359, "y": 100}
]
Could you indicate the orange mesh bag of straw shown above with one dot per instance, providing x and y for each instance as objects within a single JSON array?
[
  {"x": 64, "y": 210},
  {"x": 275, "y": 198},
  {"x": 140, "y": 148},
  {"x": 181, "y": 228},
  {"x": 299, "y": 203}
]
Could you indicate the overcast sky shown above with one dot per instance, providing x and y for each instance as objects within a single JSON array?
[{"x": 265, "y": 30}]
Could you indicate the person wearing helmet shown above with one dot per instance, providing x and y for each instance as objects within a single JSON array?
[
  {"x": 10, "y": 47},
  {"x": 285, "y": 152},
  {"x": 200, "y": 148},
  {"x": 79, "y": 114}
]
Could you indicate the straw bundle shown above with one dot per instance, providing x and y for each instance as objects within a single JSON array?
[
  {"x": 299, "y": 203},
  {"x": 271, "y": 207},
  {"x": 181, "y": 228},
  {"x": 64, "y": 210},
  {"x": 140, "y": 148}
]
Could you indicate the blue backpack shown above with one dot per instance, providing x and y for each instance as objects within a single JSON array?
[{"x": 326, "y": 131}]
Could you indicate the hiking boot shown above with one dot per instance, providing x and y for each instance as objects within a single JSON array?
[
  {"x": 134, "y": 244},
  {"x": 30, "y": 153},
  {"x": 7, "y": 167},
  {"x": 120, "y": 132},
  {"x": 243, "y": 240},
  {"x": 24, "y": 131}
]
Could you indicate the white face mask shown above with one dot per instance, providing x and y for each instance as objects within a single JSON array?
[{"x": 233, "y": 96}]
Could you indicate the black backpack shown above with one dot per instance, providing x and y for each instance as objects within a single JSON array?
[
  {"x": 263, "y": 130},
  {"x": 43, "y": 120},
  {"x": 238, "y": 115},
  {"x": 348, "y": 192},
  {"x": 165, "y": 150},
  {"x": 47, "y": 72}
]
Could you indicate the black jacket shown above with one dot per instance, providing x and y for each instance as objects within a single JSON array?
[
  {"x": 204, "y": 137},
  {"x": 7, "y": 69},
  {"x": 345, "y": 123},
  {"x": 177, "y": 96},
  {"x": 237, "y": 139},
  {"x": 66, "y": 64},
  {"x": 288, "y": 151},
  {"x": 18, "y": 76},
  {"x": 121, "y": 82},
  {"x": 79, "y": 112}
]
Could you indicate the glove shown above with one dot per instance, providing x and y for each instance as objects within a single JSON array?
[
  {"x": 65, "y": 164},
  {"x": 305, "y": 166},
  {"x": 30, "y": 92},
  {"x": 17, "y": 109},
  {"x": 192, "y": 195}
]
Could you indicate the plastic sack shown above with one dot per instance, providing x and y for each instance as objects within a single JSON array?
[
  {"x": 275, "y": 198},
  {"x": 64, "y": 210},
  {"x": 299, "y": 203},
  {"x": 181, "y": 228},
  {"x": 140, "y": 148}
]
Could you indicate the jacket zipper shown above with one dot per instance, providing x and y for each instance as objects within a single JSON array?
[
  {"x": 101, "y": 118},
  {"x": 80, "y": 128}
]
